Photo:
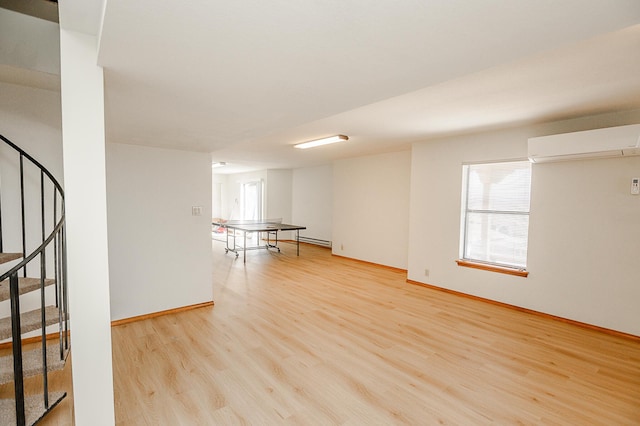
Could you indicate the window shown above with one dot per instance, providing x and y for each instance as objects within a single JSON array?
[
  {"x": 495, "y": 214},
  {"x": 251, "y": 201}
]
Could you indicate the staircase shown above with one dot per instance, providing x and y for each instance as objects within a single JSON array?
[{"x": 32, "y": 273}]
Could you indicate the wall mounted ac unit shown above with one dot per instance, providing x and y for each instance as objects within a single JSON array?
[{"x": 600, "y": 143}]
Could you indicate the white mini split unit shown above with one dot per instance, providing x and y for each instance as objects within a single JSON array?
[{"x": 619, "y": 141}]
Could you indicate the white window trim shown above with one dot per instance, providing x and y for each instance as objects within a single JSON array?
[{"x": 475, "y": 263}]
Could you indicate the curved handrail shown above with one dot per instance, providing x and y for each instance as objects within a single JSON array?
[
  {"x": 36, "y": 252},
  {"x": 60, "y": 223},
  {"x": 36, "y": 162}
]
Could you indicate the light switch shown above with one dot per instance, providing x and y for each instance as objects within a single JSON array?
[
  {"x": 635, "y": 186},
  {"x": 196, "y": 211}
]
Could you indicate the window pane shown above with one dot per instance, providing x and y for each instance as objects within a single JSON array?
[
  {"x": 497, "y": 238},
  {"x": 499, "y": 186},
  {"x": 251, "y": 207}
]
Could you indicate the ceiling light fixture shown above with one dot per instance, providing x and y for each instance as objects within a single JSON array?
[
  {"x": 319, "y": 142},
  {"x": 218, "y": 164}
]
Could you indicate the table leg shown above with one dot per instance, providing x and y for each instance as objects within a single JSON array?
[
  {"x": 244, "y": 249},
  {"x": 298, "y": 241}
]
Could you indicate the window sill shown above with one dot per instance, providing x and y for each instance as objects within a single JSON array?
[{"x": 493, "y": 268}]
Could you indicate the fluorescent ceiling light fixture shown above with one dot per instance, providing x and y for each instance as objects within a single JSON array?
[
  {"x": 319, "y": 142},
  {"x": 218, "y": 164}
]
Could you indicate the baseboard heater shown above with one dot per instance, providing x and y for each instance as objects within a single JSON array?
[{"x": 323, "y": 243}]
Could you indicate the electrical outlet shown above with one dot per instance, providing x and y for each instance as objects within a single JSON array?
[
  {"x": 341, "y": 246},
  {"x": 635, "y": 186},
  {"x": 426, "y": 272}
]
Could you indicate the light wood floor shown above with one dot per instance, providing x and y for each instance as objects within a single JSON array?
[{"x": 320, "y": 340}]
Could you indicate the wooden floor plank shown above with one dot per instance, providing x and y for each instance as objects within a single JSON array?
[{"x": 320, "y": 340}]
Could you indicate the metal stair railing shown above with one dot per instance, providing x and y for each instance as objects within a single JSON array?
[{"x": 56, "y": 242}]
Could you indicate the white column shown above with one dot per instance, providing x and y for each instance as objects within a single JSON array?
[{"x": 86, "y": 215}]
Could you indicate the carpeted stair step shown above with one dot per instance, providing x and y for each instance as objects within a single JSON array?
[
  {"x": 29, "y": 321},
  {"x": 25, "y": 285},
  {"x": 33, "y": 408},
  {"x": 8, "y": 257},
  {"x": 32, "y": 363}
]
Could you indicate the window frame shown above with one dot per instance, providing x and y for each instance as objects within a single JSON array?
[{"x": 484, "y": 264}]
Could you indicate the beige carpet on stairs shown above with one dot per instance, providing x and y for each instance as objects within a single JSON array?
[
  {"x": 25, "y": 285},
  {"x": 33, "y": 407},
  {"x": 8, "y": 257},
  {"x": 32, "y": 362},
  {"x": 29, "y": 321}
]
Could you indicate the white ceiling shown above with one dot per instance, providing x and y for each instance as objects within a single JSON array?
[{"x": 247, "y": 79}]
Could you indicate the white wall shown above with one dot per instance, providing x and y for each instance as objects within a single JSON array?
[
  {"x": 278, "y": 195},
  {"x": 216, "y": 199},
  {"x": 312, "y": 201},
  {"x": 28, "y": 42},
  {"x": 220, "y": 208},
  {"x": 160, "y": 255},
  {"x": 371, "y": 208},
  {"x": 584, "y": 227},
  {"x": 232, "y": 192},
  {"x": 301, "y": 196},
  {"x": 31, "y": 119}
]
